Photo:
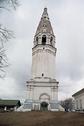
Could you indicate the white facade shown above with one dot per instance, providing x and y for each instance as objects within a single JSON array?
[
  {"x": 43, "y": 61},
  {"x": 79, "y": 100},
  {"x": 42, "y": 88}
]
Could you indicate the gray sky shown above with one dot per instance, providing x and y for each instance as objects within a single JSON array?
[{"x": 67, "y": 19}]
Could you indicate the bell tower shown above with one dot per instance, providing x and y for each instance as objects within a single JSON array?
[
  {"x": 42, "y": 88},
  {"x": 44, "y": 51}
]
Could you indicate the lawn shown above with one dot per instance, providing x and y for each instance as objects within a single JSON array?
[{"x": 41, "y": 119}]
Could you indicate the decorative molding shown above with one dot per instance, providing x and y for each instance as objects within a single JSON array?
[
  {"x": 47, "y": 45},
  {"x": 45, "y": 84},
  {"x": 44, "y": 50}
]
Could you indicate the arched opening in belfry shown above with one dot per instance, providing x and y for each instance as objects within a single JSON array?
[
  {"x": 36, "y": 40},
  {"x": 51, "y": 40},
  {"x": 43, "y": 39}
]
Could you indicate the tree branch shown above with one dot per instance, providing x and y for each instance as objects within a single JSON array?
[
  {"x": 5, "y": 34},
  {"x": 5, "y": 4}
]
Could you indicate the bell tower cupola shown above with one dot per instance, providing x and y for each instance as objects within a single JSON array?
[{"x": 44, "y": 33}]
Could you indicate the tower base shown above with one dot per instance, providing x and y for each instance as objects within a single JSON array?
[
  {"x": 30, "y": 105},
  {"x": 42, "y": 95}
]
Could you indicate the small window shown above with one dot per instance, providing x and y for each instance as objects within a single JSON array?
[
  {"x": 51, "y": 39},
  {"x": 42, "y": 74},
  {"x": 37, "y": 40},
  {"x": 80, "y": 104},
  {"x": 76, "y": 104},
  {"x": 43, "y": 39},
  {"x": 44, "y": 25}
]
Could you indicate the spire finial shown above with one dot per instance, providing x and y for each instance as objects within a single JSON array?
[
  {"x": 45, "y": 9},
  {"x": 45, "y": 14}
]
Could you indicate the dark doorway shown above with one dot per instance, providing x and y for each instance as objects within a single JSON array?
[
  {"x": 44, "y": 106},
  {"x": 43, "y": 39}
]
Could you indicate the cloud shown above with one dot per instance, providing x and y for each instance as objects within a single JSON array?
[
  {"x": 7, "y": 87},
  {"x": 67, "y": 19}
]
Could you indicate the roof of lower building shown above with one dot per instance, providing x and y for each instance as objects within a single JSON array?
[
  {"x": 10, "y": 102},
  {"x": 78, "y": 93}
]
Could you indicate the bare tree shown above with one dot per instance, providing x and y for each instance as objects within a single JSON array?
[
  {"x": 5, "y": 33},
  {"x": 67, "y": 104},
  {"x": 7, "y": 4}
]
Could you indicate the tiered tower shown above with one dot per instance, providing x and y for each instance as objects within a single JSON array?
[{"x": 42, "y": 89}]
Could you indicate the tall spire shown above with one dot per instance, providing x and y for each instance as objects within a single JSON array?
[{"x": 44, "y": 25}]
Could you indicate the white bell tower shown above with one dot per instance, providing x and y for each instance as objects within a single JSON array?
[{"x": 42, "y": 89}]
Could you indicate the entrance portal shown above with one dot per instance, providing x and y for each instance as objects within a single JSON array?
[{"x": 44, "y": 106}]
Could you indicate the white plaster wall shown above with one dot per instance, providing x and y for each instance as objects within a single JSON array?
[
  {"x": 55, "y": 94},
  {"x": 40, "y": 90},
  {"x": 34, "y": 92},
  {"x": 78, "y": 98},
  {"x": 43, "y": 61}
]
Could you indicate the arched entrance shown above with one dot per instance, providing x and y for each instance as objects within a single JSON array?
[
  {"x": 44, "y": 106},
  {"x": 44, "y": 101}
]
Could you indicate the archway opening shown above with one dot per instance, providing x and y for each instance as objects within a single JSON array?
[
  {"x": 44, "y": 106},
  {"x": 43, "y": 39},
  {"x": 51, "y": 40}
]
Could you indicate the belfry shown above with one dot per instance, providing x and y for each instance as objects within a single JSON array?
[{"x": 42, "y": 88}]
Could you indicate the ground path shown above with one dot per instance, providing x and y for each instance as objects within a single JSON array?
[{"x": 41, "y": 119}]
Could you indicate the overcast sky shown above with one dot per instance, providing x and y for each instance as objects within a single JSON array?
[{"x": 67, "y": 19}]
